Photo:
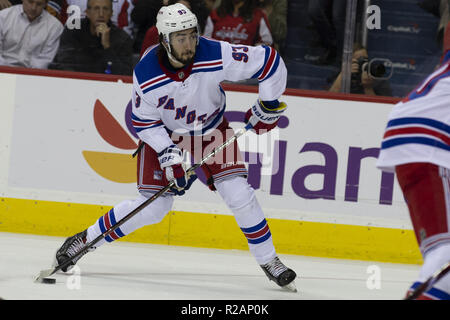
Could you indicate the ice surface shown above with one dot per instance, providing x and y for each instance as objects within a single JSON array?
[{"x": 125, "y": 270}]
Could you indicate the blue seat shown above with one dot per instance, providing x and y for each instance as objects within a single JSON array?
[
  {"x": 401, "y": 7},
  {"x": 407, "y": 37}
]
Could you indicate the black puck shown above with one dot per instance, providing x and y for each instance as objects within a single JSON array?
[{"x": 49, "y": 280}]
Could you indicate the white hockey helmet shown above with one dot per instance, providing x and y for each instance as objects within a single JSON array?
[{"x": 174, "y": 18}]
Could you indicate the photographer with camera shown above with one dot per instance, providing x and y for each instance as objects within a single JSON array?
[{"x": 368, "y": 77}]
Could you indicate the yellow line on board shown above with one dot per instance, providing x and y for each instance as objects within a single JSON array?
[{"x": 218, "y": 231}]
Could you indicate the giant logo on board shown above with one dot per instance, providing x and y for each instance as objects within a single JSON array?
[
  {"x": 121, "y": 167},
  {"x": 117, "y": 167}
]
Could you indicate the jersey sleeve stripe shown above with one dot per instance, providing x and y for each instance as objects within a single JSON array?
[
  {"x": 136, "y": 118},
  {"x": 274, "y": 68},
  {"x": 138, "y": 124},
  {"x": 414, "y": 140},
  {"x": 142, "y": 124},
  {"x": 419, "y": 121},
  {"x": 266, "y": 57},
  {"x": 417, "y": 131},
  {"x": 268, "y": 65},
  {"x": 154, "y": 125}
]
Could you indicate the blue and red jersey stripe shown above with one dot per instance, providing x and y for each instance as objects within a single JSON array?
[
  {"x": 418, "y": 131},
  {"x": 142, "y": 124},
  {"x": 431, "y": 294},
  {"x": 107, "y": 221},
  {"x": 258, "y": 233},
  {"x": 271, "y": 62}
]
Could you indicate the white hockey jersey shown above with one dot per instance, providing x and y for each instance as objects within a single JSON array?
[
  {"x": 418, "y": 128},
  {"x": 191, "y": 101}
]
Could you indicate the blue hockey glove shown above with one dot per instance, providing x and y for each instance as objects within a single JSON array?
[{"x": 264, "y": 115}]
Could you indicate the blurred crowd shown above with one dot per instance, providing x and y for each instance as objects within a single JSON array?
[{"x": 109, "y": 36}]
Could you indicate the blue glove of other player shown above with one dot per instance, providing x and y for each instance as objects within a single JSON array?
[
  {"x": 171, "y": 161},
  {"x": 264, "y": 115}
]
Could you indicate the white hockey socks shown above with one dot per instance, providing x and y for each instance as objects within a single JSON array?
[
  {"x": 240, "y": 198},
  {"x": 151, "y": 214},
  {"x": 433, "y": 261}
]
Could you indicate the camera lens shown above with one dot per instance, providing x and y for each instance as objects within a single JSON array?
[{"x": 377, "y": 69}]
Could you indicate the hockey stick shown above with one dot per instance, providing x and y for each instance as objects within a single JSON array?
[
  {"x": 424, "y": 287},
  {"x": 48, "y": 272}
]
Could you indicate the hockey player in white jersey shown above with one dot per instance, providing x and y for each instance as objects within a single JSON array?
[
  {"x": 178, "y": 104},
  {"x": 416, "y": 146}
]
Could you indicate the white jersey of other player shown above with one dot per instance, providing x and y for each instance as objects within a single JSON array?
[
  {"x": 191, "y": 101},
  {"x": 418, "y": 128}
]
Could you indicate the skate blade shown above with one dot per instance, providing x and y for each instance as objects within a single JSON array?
[
  {"x": 43, "y": 274},
  {"x": 290, "y": 287}
]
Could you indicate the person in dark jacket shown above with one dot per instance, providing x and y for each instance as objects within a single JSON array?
[
  {"x": 144, "y": 17},
  {"x": 97, "y": 46}
]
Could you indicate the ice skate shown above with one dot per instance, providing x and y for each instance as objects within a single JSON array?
[
  {"x": 280, "y": 274},
  {"x": 71, "y": 247}
]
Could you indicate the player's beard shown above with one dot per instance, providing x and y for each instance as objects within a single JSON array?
[{"x": 186, "y": 58}]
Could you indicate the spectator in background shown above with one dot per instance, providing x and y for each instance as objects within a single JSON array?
[
  {"x": 446, "y": 40},
  {"x": 328, "y": 18},
  {"x": 198, "y": 7},
  {"x": 362, "y": 82},
  {"x": 239, "y": 22},
  {"x": 444, "y": 11},
  {"x": 121, "y": 16},
  {"x": 144, "y": 17},
  {"x": 98, "y": 46},
  {"x": 56, "y": 8},
  {"x": 29, "y": 35},
  {"x": 212, "y": 4},
  {"x": 8, "y": 3},
  {"x": 276, "y": 11},
  {"x": 440, "y": 9}
]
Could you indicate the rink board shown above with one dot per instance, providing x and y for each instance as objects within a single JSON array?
[
  {"x": 218, "y": 231},
  {"x": 65, "y": 160}
]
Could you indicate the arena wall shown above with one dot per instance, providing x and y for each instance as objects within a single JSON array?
[{"x": 65, "y": 160}]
